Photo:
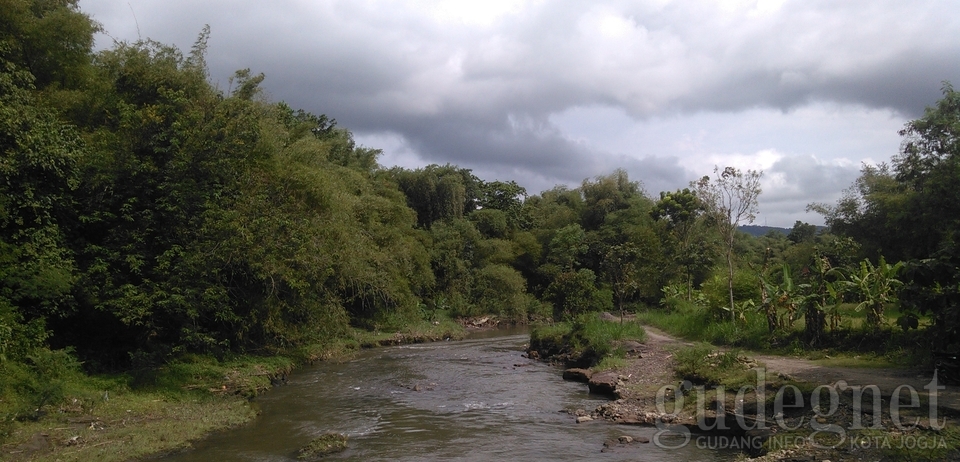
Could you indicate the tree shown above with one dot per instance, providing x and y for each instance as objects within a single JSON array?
[
  {"x": 607, "y": 194},
  {"x": 38, "y": 174},
  {"x": 680, "y": 210},
  {"x": 438, "y": 192},
  {"x": 874, "y": 212},
  {"x": 730, "y": 199},
  {"x": 51, "y": 39},
  {"x": 874, "y": 287},
  {"x": 620, "y": 264},
  {"x": 802, "y": 232}
]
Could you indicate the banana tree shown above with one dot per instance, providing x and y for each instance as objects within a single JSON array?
[
  {"x": 820, "y": 294},
  {"x": 874, "y": 287},
  {"x": 779, "y": 302}
]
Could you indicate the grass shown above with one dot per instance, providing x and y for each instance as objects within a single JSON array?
[
  {"x": 122, "y": 423},
  {"x": 696, "y": 323},
  {"x": 328, "y": 443},
  {"x": 703, "y": 364},
  {"x": 418, "y": 332},
  {"x": 587, "y": 341},
  {"x": 849, "y": 345}
]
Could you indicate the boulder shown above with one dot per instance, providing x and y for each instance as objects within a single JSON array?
[
  {"x": 604, "y": 383},
  {"x": 606, "y": 316},
  {"x": 325, "y": 444},
  {"x": 631, "y": 347},
  {"x": 577, "y": 375}
]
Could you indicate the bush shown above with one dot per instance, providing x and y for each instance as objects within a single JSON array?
[
  {"x": 501, "y": 290},
  {"x": 745, "y": 287},
  {"x": 596, "y": 339},
  {"x": 586, "y": 341},
  {"x": 575, "y": 292},
  {"x": 28, "y": 386},
  {"x": 704, "y": 365}
]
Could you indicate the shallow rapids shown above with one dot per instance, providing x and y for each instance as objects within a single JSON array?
[{"x": 471, "y": 400}]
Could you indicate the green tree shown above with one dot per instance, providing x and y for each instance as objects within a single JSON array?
[
  {"x": 802, "y": 232},
  {"x": 730, "y": 199},
  {"x": 621, "y": 267},
  {"x": 874, "y": 287},
  {"x": 38, "y": 173},
  {"x": 438, "y": 192},
  {"x": 679, "y": 211},
  {"x": 574, "y": 292},
  {"x": 50, "y": 39},
  {"x": 605, "y": 195}
]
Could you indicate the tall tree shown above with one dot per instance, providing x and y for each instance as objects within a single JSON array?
[
  {"x": 680, "y": 210},
  {"x": 731, "y": 199}
]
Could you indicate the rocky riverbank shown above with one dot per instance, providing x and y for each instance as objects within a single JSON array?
[{"x": 845, "y": 423}]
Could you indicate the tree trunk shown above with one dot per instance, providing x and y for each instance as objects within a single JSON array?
[
  {"x": 815, "y": 321},
  {"x": 733, "y": 312}
]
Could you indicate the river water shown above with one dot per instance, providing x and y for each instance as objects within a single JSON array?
[{"x": 471, "y": 400}]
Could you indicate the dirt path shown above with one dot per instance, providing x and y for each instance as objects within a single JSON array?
[{"x": 659, "y": 347}]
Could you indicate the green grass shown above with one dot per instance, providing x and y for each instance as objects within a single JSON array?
[
  {"x": 587, "y": 341},
  {"x": 703, "y": 364},
  {"x": 848, "y": 345},
  {"x": 692, "y": 322},
  {"x": 328, "y": 443},
  {"x": 421, "y": 331}
]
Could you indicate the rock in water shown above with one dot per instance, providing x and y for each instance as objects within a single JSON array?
[
  {"x": 577, "y": 375},
  {"x": 328, "y": 443},
  {"x": 604, "y": 383}
]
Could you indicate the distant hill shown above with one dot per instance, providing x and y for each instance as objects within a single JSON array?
[{"x": 758, "y": 231}]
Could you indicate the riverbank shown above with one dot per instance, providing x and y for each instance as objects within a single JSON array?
[
  {"x": 647, "y": 388},
  {"x": 142, "y": 413}
]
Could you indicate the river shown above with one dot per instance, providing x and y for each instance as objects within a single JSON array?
[{"x": 471, "y": 400}]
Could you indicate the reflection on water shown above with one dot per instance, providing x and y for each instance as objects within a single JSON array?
[{"x": 476, "y": 399}]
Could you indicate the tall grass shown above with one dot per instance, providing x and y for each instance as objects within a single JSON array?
[
  {"x": 693, "y": 322},
  {"x": 703, "y": 364},
  {"x": 587, "y": 340}
]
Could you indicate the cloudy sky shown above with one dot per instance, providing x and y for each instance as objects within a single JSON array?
[{"x": 548, "y": 92}]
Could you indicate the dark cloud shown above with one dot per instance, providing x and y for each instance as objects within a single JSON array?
[
  {"x": 479, "y": 88},
  {"x": 794, "y": 182}
]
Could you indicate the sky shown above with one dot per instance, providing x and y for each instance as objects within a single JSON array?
[{"x": 553, "y": 92}]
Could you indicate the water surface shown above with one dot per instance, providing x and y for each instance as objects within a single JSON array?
[{"x": 471, "y": 400}]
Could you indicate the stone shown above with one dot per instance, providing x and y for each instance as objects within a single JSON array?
[
  {"x": 606, "y": 316},
  {"x": 625, "y": 439},
  {"x": 323, "y": 445},
  {"x": 631, "y": 347},
  {"x": 577, "y": 375},
  {"x": 604, "y": 383},
  {"x": 584, "y": 418}
]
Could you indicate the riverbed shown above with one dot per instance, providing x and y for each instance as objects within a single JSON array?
[{"x": 477, "y": 399}]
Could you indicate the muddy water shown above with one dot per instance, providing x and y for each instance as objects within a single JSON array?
[{"x": 471, "y": 400}]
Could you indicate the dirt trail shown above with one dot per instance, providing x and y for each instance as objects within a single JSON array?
[{"x": 887, "y": 380}]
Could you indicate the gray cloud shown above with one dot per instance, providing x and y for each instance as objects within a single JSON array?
[{"x": 483, "y": 88}]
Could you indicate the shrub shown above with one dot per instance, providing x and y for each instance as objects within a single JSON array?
[
  {"x": 745, "y": 287},
  {"x": 704, "y": 365}
]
